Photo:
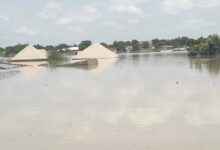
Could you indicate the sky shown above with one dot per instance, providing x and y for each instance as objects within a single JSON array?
[{"x": 71, "y": 21}]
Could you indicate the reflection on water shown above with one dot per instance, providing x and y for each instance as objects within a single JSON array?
[
  {"x": 31, "y": 69},
  {"x": 103, "y": 64},
  {"x": 134, "y": 103},
  {"x": 7, "y": 74},
  {"x": 136, "y": 58},
  {"x": 211, "y": 64},
  {"x": 86, "y": 67},
  {"x": 99, "y": 67}
]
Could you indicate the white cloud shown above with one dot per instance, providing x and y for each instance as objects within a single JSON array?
[
  {"x": 25, "y": 31},
  {"x": 65, "y": 20},
  {"x": 61, "y": 15},
  {"x": 91, "y": 9},
  {"x": 76, "y": 29},
  {"x": 4, "y": 18},
  {"x": 133, "y": 2},
  {"x": 114, "y": 25},
  {"x": 134, "y": 21},
  {"x": 177, "y": 6},
  {"x": 76, "y": 19},
  {"x": 127, "y": 10},
  {"x": 51, "y": 10},
  {"x": 85, "y": 18},
  {"x": 194, "y": 24},
  {"x": 208, "y": 3},
  {"x": 126, "y": 7}
]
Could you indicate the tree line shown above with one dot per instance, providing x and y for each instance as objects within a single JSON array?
[
  {"x": 11, "y": 50},
  {"x": 131, "y": 46},
  {"x": 118, "y": 46},
  {"x": 205, "y": 46},
  {"x": 201, "y": 46}
]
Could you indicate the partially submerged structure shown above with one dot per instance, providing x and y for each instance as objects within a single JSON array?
[
  {"x": 95, "y": 51},
  {"x": 30, "y": 68},
  {"x": 30, "y": 53}
]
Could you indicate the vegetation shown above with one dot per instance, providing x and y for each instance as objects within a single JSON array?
[
  {"x": 206, "y": 46},
  {"x": 54, "y": 55},
  {"x": 39, "y": 46},
  {"x": 84, "y": 44},
  {"x": 200, "y": 46},
  {"x": 105, "y": 44},
  {"x": 62, "y": 46},
  {"x": 1, "y": 49},
  {"x": 177, "y": 42},
  {"x": 120, "y": 46},
  {"x": 12, "y": 50},
  {"x": 145, "y": 45},
  {"x": 210, "y": 63},
  {"x": 135, "y": 45}
]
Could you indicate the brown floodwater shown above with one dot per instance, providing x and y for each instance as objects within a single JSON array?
[{"x": 136, "y": 102}]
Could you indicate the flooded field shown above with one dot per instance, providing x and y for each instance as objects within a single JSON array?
[{"x": 136, "y": 102}]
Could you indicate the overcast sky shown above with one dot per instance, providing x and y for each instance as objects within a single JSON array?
[{"x": 68, "y": 21}]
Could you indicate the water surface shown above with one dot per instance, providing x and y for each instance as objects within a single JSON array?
[{"x": 137, "y": 102}]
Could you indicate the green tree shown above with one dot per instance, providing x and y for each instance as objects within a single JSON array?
[
  {"x": 177, "y": 42},
  {"x": 105, "y": 44},
  {"x": 135, "y": 44},
  {"x": 145, "y": 45},
  {"x": 62, "y": 46},
  {"x": 84, "y": 44},
  {"x": 206, "y": 46},
  {"x": 39, "y": 46},
  {"x": 54, "y": 55},
  {"x": 51, "y": 47},
  {"x": 10, "y": 50},
  {"x": 120, "y": 46},
  {"x": 2, "y": 51}
]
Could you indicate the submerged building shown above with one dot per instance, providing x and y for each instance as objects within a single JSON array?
[
  {"x": 30, "y": 53},
  {"x": 95, "y": 51}
]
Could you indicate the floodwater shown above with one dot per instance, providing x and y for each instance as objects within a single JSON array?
[{"x": 137, "y": 102}]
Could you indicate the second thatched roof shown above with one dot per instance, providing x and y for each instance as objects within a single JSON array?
[{"x": 95, "y": 51}]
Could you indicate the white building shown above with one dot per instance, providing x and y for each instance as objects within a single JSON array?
[{"x": 74, "y": 48}]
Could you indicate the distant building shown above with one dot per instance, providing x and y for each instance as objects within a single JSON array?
[
  {"x": 129, "y": 49},
  {"x": 167, "y": 47},
  {"x": 74, "y": 48},
  {"x": 151, "y": 46},
  {"x": 70, "y": 50}
]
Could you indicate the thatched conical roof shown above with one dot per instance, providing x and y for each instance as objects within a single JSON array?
[
  {"x": 95, "y": 51},
  {"x": 30, "y": 53}
]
